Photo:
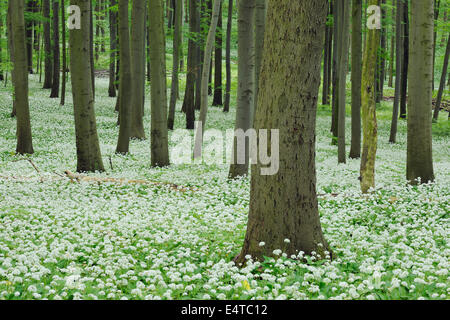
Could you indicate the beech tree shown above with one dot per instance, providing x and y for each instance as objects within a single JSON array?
[
  {"x": 284, "y": 206},
  {"x": 20, "y": 71},
  {"x": 88, "y": 149},
  {"x": 159, "y": 134},
  {"x": 419, "y": 163},
  {"x": 368, "y": 102}
]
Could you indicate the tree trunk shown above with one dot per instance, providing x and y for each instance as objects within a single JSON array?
[
  {"x": 23, "y": 133},
  {"x": 217, "y": 99},
  {"x": 327, "y": 59},
  {"x": 246, "y": 85},
  {"x": 88, "y": 150},
  {"x": 381, "y": 70},
  {"x": 391, "y": 60},
  {"x": 64, "y": 54},
  {"x": 138, "y": 69},
  {"x": 159, "y": 134},
  {"x": 176, "y": 62},
  {"x": 335, "y": 74},
  {"x": 405, "y": 63},
  {"x": 419, "y": 147},
  {"x": 259, "y": 30},
  {"x": 189, "y": 95},
  {"x": 113, "y": 48},
  {"x": 126, "y": 89},
  {"x": 343, "y": 69},
  {"x": 204, "y": 83},
  {"x": 56, "y": 55},
  {"x": 398, "y": 70},
  {"x": 48, "y": 72},
  {"x": 437, "y": 107},
  {"x": 226, "y": 105},
  {"x": 283, "y": 207},
  {"x": 355, "y": 150},
  {"x": 368, "y": 102},
  {"x": 29, "y": 36}
]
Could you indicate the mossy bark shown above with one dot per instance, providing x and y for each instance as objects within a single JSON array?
[{"x": 368, "y": 103}]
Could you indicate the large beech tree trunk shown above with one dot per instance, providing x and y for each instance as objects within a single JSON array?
[
  {"x": 284, "y": 205},
  {"x": 20, "y": 70},
  {"x": 88, "y": 150},
  {"x": 159, "y": 134},
  {"x": 419, "y": 163}
]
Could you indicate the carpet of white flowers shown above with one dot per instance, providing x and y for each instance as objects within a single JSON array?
[{"x": 64, "y": 240}]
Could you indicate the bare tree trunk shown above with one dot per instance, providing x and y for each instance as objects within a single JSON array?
[
  {"x": 126, "y": 90},
  {"x": 56, "y": 55},
  {"x": 355, "y": 150},
  {"x": 88, "y": 150},
  {"x": 217, "y": 99},
  {"x": 284, "y": 206},
  {"x": 23, "y": 133},
  {"x": 419, "y": 163},
  {"x": 112, "y": 48},
  {"x": 368, "y": 102},
  {"x": 47, "y": 46},
  {"x": 246, "y": 85},
  {"x": 226, "y": 105},
  {"x": 64, "y": 54},
  {"x": 159, "y": 134},
  {"x": 437, "y": 107}
]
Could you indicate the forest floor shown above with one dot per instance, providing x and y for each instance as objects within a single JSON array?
[{"x": 61, "y": 239}]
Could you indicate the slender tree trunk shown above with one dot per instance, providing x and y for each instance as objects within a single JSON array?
[
  {"x": 217, "y": 99},
  {"x": 126, "y": 89},
  {"x": 113, "y": 48},
  {"x": 138, "y": 69},
  {"x": 398, "y": 70},
  {"x": 327, "y": 59},
  {"x": 246, "y": 86},
  {"x": 176, "y": 62},
  {"x": 48, "y": 73},
  {"x": 159, "y": 134},
  {"x": 284, "y": 206},
  {"x": 343, "y": 69},
  {"x": 189, "y": 95},
  {"x": 91, "y": 26},
  {"x": 29, "y": 36},
  {"x": 56, "y": 55},
  {"x": 11, "y": 51},
  {"x": 88, "y": 150},
  {"x": 23, "y": 133},
  {"x": 381, "y": 74},
  {"x": 392, "y": 57},
  {"x": 437, "y": 4},
  {"x": 226, "y": 105},
  {"x": 64, "y": 53},
  {"x": 442, "y": 83},
  {"x": 355, "y": 150},
  {"x": 335, "y": 74},
  {"x": 368, "y": 99},
  {"x": 205, "y": 74},
  {"x": 405, "y": 63},
  {"x": 419, "y": 147}
]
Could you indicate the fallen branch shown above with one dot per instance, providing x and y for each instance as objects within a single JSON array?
[{"x": 82, "y": 178}]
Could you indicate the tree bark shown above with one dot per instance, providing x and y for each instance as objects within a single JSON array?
[
  {"x": 355, "y": 149},
  {"x": 176, "y": 62},
  {"x": 217, "y": 99},
  {"x": 126, "y": 89},
  {"x": 159, "y": 134},
  {"x": 88, "y": 150},
  {"x": 226, "y": 105},
  {"x": 138, "y": 69},
  {"x": 64, "y": 53},
  {"x": 112, "y": 48},
  {"x": 419, "y": 147},
  {"x": 284, "y": 206},
  {"x": 368, "y": 102},
  {"x": 246, "y": 84},
  {"x": 23, "y": 133},
  {"x": 56, "y": 55},
  {"x": 48, "y": 68}
]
